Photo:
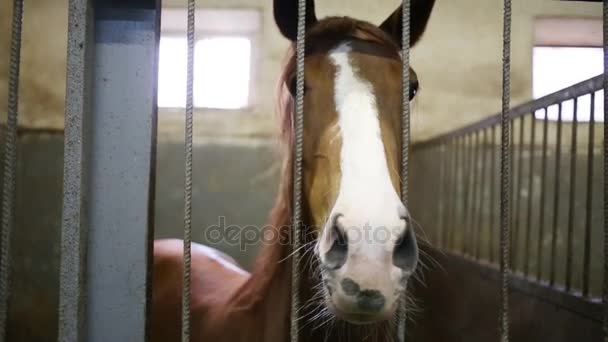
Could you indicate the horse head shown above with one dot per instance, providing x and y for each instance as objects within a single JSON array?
[{"x": 364, "y": 240}]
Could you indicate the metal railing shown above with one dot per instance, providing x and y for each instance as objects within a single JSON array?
[{"x": 556, "y": 208}]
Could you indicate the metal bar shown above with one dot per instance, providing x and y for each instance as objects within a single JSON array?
[
  {"x": 459, "y": 195},
  {"x": 454, "y": 200},
  {"x": 189, "y": 126},
  {"x": 571, "y": 213},
  {"x": 505, "y": 224},
  {"x": 10, "y": 166},
  {"x": 120, "y": 181},
  {"x": 526, "y": 259},
  {"x": 465, "y": 210},
  {"x": 476, "y": 189},
  {"x": 481, "y": 188},
  {"x": 493, "y": 194},
  {"x": 74, "y": 228},
  {"x": 475, "y": 184},
  {"x": 517, "y": 194},
  {"x": 543, "y": 185},
  {"x": 448, "y": 155},
  {"x": 440, "y": 195},
  {"x": 298, "y": 150},
  {"x": 589, "y": 199},
  {"x": 576, "y": 90},
  {"x": 556, "y": 186},
  {"x": 605, "y": 87},
  {"x": 405, "y": 135},
  {"x": 512, "y": 182}
]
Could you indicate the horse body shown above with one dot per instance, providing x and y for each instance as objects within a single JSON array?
[{"x": 350, "y": 287}]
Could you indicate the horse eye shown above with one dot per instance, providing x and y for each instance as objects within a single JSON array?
[{"x": 413, "y": 89}]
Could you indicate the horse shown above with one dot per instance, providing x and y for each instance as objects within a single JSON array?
[{"x": 359, "y": 248}]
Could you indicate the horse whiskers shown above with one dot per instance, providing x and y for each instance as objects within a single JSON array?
[
  {"x": 329, "y": 331},
  {"x": 304, "y": 246}
]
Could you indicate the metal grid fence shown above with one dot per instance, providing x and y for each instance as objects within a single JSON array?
[{"x": 556, "y": 209}]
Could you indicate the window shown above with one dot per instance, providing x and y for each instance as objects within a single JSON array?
[
  {"x": 567, "y": 51},
  {"x": 222, "y": 59}
]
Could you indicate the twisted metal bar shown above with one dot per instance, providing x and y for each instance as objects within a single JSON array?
[
  {"x": 297, "y": 170},
  {"x": 605, "y": 287},
  {"x": 505, "y": 174},
  {"x": 188, "y": 176},
  {"x": 10, "y": 164},
  {"x": 405, "y": 138}
]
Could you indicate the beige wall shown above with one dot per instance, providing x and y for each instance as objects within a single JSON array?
[{"x": 458, "y": 63}]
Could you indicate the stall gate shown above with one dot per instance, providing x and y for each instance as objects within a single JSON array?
[{"x": 110, "y": 131}]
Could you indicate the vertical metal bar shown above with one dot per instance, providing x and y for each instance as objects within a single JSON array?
[
  {"x": 571, "y": 199},
  {"x": 605, "y": 285},
  {"x": 589, "y": 199},
  {"x": 512, "y": 188},
  {"x": 475, "y": 183},
  {"x": 457, "y": 193},
  {"x": 454, "y": 194},
  {"x": 556, "y": 183},
  {"x": 120, "y": 180},
  {"x": 10, "y": 165},
  {"x": 505, "y": 175},
  {"x": 482, "y": 185},
  {"x": 72, "y": 286},
  {"x": 543, "y": 185},
  {"x": 189, "y": 126},
  {"x": 297, "y": 170},
  {"x": 440, "y": 193},
  {"x": 517, "y": 195},
  {"x": 526, "y": 259},
  {"x": 447, "y": 201},
  {"x": 466, "y": 184},
  {"x": 492, "y": 194},
  {"x": 475, "y": 186},
  {"x": 405, "y": 136}
]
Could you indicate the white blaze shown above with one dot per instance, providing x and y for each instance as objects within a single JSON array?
[{"x": 366, "y": 195}]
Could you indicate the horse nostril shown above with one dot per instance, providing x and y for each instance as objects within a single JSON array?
[
  {"x": 336, "y": 256},
  {"x": 405, "y": 255}
]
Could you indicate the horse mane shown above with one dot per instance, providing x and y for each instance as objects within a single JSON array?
[{"x": 325, "y": 35}]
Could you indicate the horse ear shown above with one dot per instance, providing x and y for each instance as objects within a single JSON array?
[
  {"x": 420, "y": 13},
  {"x": 286, "y": 17}
]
